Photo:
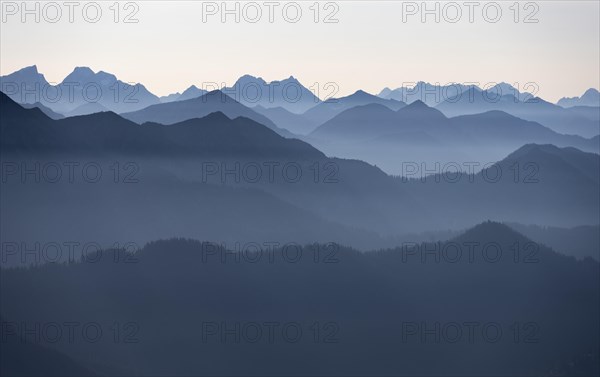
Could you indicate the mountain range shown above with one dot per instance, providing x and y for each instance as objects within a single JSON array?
[
  {"x": 421, "y": 134},
  {"x": 435, "y": 94},
  {"x": 178, "y": 111},
  {"x": 519, "y": 186},
  {"x": 288, "y": 93},
  {"x": 82, "y": 87},
  {"x": 356, "y": 200},
  {"x": 534, "y": 109},
  {"x": 330, "y": 108},
  {"x": 591, "y": 98},
  {"x": 248, "y": 223},
  {"x": 289, "y": 105},
  {"x": 192, "y": 92},
  {"x": 107, "y": 132}
]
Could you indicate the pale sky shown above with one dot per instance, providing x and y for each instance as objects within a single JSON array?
[{"x": 369, "y": 48}]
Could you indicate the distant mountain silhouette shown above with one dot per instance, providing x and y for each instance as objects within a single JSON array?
[
  {"x": 375, "y": 120},
  {"x": 418, "y": 123},
  {"x": 169, "y": 98},
  {"x": 289, "y": 94},
  {"x": 296, "y": 123},
  {"x": 430, "y": 94},
  {"x": 303, "y": 124},
  {"x": 501, "y": 126},
  {"x": 503, "y": 88},
  {"x": 435, "y": 94},
  {"x": 87, "y": 108},
  {"x": 534, "y": 109},
  {"x": 81, "y": 87},
  {"x": 388, "y": 139},
  {"x": 191, "y": 92},
  {"x": 116, "y": 95},
  {"x": 24, "y": 85},
  {"x": 215, "y": 101},
  {"x": 591, "y": 97},
  {"x": 332, "y": 107},
  {"x": 360, "y": 121}
]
